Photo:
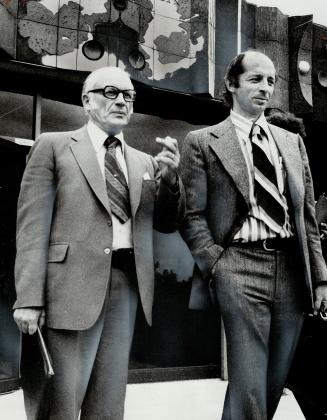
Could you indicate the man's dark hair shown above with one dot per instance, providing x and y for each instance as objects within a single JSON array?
[{"x": 233, "y": 72}]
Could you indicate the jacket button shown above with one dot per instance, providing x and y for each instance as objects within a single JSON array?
[
  {"x": 107, "y": 251},
  {"x": 109, "y": 222}
]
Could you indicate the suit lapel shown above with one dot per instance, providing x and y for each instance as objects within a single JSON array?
[
  {"x": 292, "y": 162},
  {"x": 85, "y": 156},
  {"x": 229, "y": 152},
  {"x": 136, "y": 170}
]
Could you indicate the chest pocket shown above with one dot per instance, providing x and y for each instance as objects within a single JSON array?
[{"x": 58, "y": 252}]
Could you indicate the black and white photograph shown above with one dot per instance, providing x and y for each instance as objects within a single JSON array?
[{"x": 163, "y": 202}]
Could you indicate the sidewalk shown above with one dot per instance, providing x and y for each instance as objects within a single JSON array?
[{"x": 182, "y": 400}]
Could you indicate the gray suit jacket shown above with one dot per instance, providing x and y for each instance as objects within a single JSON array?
[
  {"x": 64, "y": 226},
  {"x": 215, "y": 177}
]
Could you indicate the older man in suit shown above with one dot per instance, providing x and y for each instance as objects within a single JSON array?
[
  {"x": 250, "y": 225},
  {"x": 87, "y": 208}
]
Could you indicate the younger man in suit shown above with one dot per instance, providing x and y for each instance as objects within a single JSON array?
[
  {"x": 86, "y": 212},
  {"x": 250, "y": 225}
]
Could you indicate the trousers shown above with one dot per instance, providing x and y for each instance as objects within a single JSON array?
[
  {"x": 91, "y": 366},
  {"x": 261, "y": 299}
]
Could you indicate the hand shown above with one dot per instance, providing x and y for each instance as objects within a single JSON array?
[
  {"x": 168, "y": 159},
  {"x": 323, "y": 231},
  {"x": 321, "y": 300},
  {"x": 28, "y": 319}
]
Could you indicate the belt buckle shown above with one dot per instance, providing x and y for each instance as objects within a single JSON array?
[{"x": 265, "y": 247}]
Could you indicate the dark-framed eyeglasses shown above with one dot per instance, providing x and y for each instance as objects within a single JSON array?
[{"x": 111, "y": 92}]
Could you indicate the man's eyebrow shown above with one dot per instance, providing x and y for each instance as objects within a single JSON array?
[
  {"x": 254, "y": 75},
  {"x": 259, "y": 74}
]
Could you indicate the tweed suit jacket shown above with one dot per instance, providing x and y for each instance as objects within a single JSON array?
[
  {"x": 216, "y": 182},
  {"x": 64, "y": 228}
]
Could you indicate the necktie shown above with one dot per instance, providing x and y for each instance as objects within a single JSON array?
[
  {"x": 116, "y": 182},
  {"x": 266, "y": 190}
]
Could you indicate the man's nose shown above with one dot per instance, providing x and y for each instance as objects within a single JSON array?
[
  {"x": 120, "y": 100},
  {"x": 265, "y": 86}
]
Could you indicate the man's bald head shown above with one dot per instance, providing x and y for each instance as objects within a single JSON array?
[
  {"x": 105, "y": 73},
  {"x": 109, "y": 112}
]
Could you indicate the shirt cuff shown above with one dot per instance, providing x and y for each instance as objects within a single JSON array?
[{"x": 174, "y": 189}]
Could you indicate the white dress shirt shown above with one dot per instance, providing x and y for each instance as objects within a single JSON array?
[
  {"x": 122, "y": 232},
  {"x": 254, "y": 228}
]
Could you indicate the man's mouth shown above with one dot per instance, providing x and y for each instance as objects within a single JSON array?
[{"x": 119, "y": 113}]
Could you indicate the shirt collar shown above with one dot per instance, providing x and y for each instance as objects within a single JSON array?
[
  {"x": 244, "y": 125},
  {"x": 262, "y": 122},
  {"x": 98, "y": 136}
]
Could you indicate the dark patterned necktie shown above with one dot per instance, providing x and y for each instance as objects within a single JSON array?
[
  {"x": 117, "y": 186},
  {"x": 265, "y": 183}
]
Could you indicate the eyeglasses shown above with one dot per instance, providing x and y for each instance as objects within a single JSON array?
[{"x": 111, "y": 92}]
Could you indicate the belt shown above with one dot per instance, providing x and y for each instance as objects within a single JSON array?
[
  {"x": 269, "y": 244},
  {"x": 123, "y": 259}
]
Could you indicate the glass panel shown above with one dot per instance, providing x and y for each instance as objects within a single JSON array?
[
  {"x": 129, "y": 17},
  {"x": 35, "y": 41},
  {"x": 52, "y": 5},
  {"x": 85, "y": 64},
  {"x": 16, "y": 115},
  {"x": 8, "y": 29},
  {"x": 67, "y": 49},
  {"x": 146, "y": 74},
  {"x": 58, "y": 116},
  {"x": 12, "y": 164},
  {"x": 69, "y": 14}
]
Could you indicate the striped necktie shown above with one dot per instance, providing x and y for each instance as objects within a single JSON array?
[
  {"x": 266, "y": 190},
  {"x": 116, "y": 183}
]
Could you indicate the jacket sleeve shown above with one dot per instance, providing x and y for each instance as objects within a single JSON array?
[
  {"x": 317, "y": 263},
  {"x": 34, "y": 216},
  {"x": 169, "y": 206},
  {"x": 195, "y": 230}
]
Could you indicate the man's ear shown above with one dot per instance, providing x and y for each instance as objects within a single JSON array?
[
  {"x": 85, "y": 99},
  {"x": 229, "y": 86},
  {"x": 86, "y": 102}
]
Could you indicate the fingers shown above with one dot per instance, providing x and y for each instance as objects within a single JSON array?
[
  {"x": 168, "y": 158},
  {"x": 323, "y": 230},
  {"x": 42, "y": 319},
  {"x": 27, "y": 319},
  {"x": 166, "y": 154},
  {"x": 170, "y": 153},
  {"x": 27, "y": 326},
  {"x": 320, "y": 305},
  {"x": 323, "y": 310},
  {"x": 168, "y": 143}
]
